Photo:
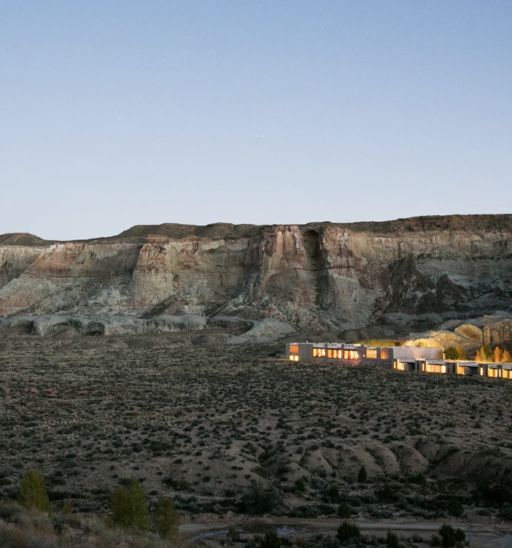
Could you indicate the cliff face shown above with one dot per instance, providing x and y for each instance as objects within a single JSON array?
[{"x": 341, "y": 276}]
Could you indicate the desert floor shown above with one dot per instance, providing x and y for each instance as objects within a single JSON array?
[{"x": 228, "y": 430}]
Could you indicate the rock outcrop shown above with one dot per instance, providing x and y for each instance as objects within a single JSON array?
[
  {"x": 406, "y": 273},
  {"x": 469, "y": 334}
]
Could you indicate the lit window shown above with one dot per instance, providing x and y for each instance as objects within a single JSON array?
[
  {"x": 494, "y": 372},
  {"x": 434, "y": 368},
  {"x": 294, "y": 349},
  {"x": 371, "y": 353}
]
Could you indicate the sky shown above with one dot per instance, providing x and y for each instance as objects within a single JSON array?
[{"x": 116, "y": 113}]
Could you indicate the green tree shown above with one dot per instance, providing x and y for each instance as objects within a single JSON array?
[
  {"x": 451, "y": 353},
  {"x": 455, "y": 353},
  {"x": 484, "y": 353},
  {"x": 129, "y": 509},
  {"x": 487, "y": 351},
  {"x": 32, "y": 492},
  {"x": 166, "y": 519}
]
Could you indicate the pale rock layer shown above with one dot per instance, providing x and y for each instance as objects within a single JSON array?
[{"x": 405, "y": 273}]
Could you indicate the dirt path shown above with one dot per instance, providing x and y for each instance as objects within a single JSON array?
[{"x": 484, "y": 534}]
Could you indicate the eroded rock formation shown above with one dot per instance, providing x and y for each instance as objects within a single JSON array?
[{"x": 337, "y": 276}]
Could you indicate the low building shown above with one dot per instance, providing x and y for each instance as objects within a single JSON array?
[
  {"x": 405, "y": 365},
  {"x": 464, "y": 367},
  {"x": 439, "y": 367},
  {"x": 409, "y": 353},
  {"x": 400, "y": 358},
  {"x": 494, "y": 370},
  {"x": 506, "y": 370},
  {"x": 357, "y": 354}
]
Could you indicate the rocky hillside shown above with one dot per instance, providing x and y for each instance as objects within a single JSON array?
[{"x": 401, "y": 274}]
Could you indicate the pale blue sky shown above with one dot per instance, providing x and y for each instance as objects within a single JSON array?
[{"x": 114, "y": 113}]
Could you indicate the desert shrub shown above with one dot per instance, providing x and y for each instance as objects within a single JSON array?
[
  {"x": 387, "y": 492},
  {"x": 269, "y": 540},
  {"x": 32, "y": 492},
  {"x": 233, "y": 535},
  {"x": 506, "y": 512},
  {"x": 362, "y": 475},
  {"x": 166, "y": 519},
  {"x": 129, "y": 509},
  {"x": 320, "y": 541},
  {"x": 259, "y": 500},
  {"x": 392, "y": 540},
  {"x": 418, "y": 479},
  {"x": 331, "y": 494},
  {"x": 451, "y": 537},
  {"x": 344, "y": 510},
  {"x": 445, "y": 504},
  {"x": 299, "y": 486},
  {"x": 493, "y": 493},
  {"x": 348, "y": 531}
]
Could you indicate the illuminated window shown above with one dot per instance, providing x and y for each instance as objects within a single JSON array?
[
  {"x": 493, "y": 372},
  {"x": 339, "y": 354},
  {"x": 384, "y": 354},
  {"x": 460, "y": 370},
  {"x": 507, "y": 373},
  {"x": 329, "y": 353},
  {"x": 371, "y": 353},
  {"x": 434, "y": 368},
  {"x": 294, "y": 349},
  {"x": 316, "y": 352},
  {"x": 323, "y": 353}
]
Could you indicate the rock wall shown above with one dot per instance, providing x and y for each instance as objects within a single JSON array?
[{"x": 341, "y": 276}]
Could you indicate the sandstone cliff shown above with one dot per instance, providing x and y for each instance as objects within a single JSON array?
[{"x": 402, "y": 274}]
